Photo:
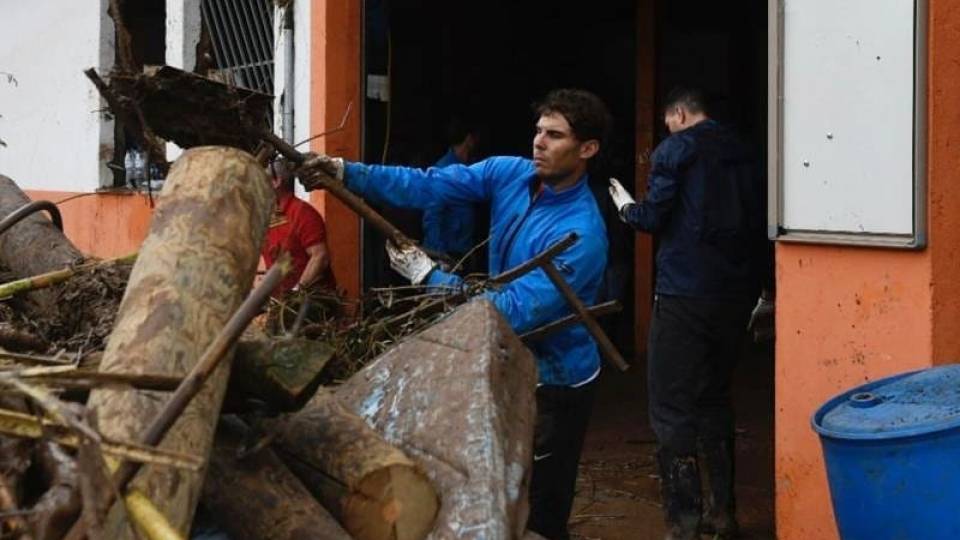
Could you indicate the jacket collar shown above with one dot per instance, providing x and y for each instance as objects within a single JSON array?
[{"x": 548, "y": 195}]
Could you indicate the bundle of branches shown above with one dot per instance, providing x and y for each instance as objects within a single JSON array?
[
  {"x": 381, "y": 318},
  {"x": 87, "y": 299}
]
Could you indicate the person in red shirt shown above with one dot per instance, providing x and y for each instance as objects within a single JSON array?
[{"x": 297, "y": 228}]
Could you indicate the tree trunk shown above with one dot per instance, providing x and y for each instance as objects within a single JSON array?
[
  {"x": 33, "y": 246},
  {"x": 459, "y": 399},
  {"x": 195, "y": 268},
  {"x": 258, "y": 497},
  {"x": 373, "y": 488},
  {"x": 281, "y": 372}
]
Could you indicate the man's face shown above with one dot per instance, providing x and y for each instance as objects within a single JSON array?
[
  {"x": 675, "y": 119},
  {"x": 557, "y": 153}
]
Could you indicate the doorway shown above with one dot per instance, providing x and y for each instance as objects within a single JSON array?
[{"x": 426, "y": 61}]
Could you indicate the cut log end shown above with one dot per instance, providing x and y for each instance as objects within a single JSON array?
[{"x": 395, "y": 502}]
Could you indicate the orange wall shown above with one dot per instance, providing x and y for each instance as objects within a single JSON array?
[
  {"x": 102, "y": 224},
  {"x": 335, "y": 84},
  {"x": 848, "y": 315}
]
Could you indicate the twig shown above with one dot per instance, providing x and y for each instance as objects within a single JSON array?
[
  {"x": 536, "y": 261},
  {"x": 17, "y": 424},
  {"x": 43, "y": 281},
  {"x": 341, "y": 127},
  {"x": 598, "y": 310}
]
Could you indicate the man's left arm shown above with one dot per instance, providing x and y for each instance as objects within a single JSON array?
[
  {"x": 312, "y": 233},
  {"x": 532, "y": 300},
  {"x": 317, "y": 263}
]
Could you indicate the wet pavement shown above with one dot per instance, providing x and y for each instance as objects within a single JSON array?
[{"x": 618, "y": 490}]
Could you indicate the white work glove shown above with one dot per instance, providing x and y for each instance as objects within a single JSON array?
[
  {"x": 620, "y": 197},
  {"x": 319, "y": 164},
  {"x": 410, "y": 262}
]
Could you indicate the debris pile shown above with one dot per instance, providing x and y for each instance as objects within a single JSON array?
[{"x": 408, "y": 416}]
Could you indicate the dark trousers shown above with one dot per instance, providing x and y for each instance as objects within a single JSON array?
[
  {"x": 562, "y": 417},
  {"x": 694, "y": 347}
]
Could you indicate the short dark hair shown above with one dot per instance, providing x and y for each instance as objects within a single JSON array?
[
  {"x": 690, "y": 98},
  {"x": 586, "y": 113},
  {"x": 459, "y": 127},
  {"x": 282, "y": 168}
]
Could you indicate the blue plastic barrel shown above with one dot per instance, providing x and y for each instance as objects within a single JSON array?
[{"x": 892, "y": 449}]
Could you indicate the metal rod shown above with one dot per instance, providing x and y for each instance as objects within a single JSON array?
[
  {"x": 338, "y": 190},
  {"x": 537, "y": 261},
  {"x": 31, "y": 207},
  {"x": 603, "y": 342},
  {"x": 598, "y": 310}
]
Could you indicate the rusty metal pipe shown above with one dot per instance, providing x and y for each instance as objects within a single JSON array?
[{"x": 30, "y": 208}]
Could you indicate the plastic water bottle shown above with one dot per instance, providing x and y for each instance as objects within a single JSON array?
[{"x": 133, "y": 164}]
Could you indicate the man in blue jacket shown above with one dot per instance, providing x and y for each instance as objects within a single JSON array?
[
  {"x": 534, "y": 203},
  {"x": 705, "y": 203},
  {"x": 449, "y": 229}
]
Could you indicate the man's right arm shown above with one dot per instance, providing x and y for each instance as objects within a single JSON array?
[
  {"x": 407, "y": 187},
  {"x": 668, "y": 161}
]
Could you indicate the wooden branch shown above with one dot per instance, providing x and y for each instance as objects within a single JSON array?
[
  {"x": 534, "y": 263},
  {"x": 340, "y": 191},
  {"x": 17, "y": 424},
  {"x": 55, "y": 277},
  {"x": 598, "y": 310}
]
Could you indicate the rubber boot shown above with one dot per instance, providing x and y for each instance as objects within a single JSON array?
[
  {"x": 720, "y": 516},
  {"x": 680, "y": 489}
]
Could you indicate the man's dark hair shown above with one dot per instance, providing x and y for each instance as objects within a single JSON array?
[
  {"x": 586, "y": 113},
  {"x": 282, "y": 168},
  {"x": 690, "y": 98},
  {"x": 458, "y": 128}
]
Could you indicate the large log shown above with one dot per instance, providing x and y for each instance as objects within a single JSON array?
[
  {"x": 372, "y": 488},
  {"x": 33, "y": 246},
  {"x": 281, "y": 372},
  {"x": 458, "y": 398},
  {"x": 257, "y": 497},
  {"x": 194, "y": 269}
]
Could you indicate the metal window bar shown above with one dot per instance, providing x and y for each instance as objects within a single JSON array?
[{"x": 243, "y": 41}]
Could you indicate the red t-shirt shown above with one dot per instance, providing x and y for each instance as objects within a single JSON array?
[{"x": 295, "y": 228}]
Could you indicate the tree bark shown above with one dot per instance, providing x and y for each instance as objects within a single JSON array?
[
  {"x": 282, "y": 372},
  {"x": 33, "y": 246},
  {"x": 258, "y": 497},
  {"x": 458, "y": 398},
  {"x": 374, "y": 489},
  {"x": 194, "y": 269}
]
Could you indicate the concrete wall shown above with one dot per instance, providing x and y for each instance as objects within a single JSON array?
[
  {"x": 55, "y": 137},
  {"x": 849, "y": 315}
]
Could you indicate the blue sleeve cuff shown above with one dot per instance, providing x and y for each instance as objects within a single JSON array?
[
  {"x": 444, "y": 280},
  {"x": 355, "y": 175}
]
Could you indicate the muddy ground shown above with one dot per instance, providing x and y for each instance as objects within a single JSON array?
[{"x": 617, "y": 490}]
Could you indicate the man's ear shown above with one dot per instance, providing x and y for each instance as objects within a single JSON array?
[{"x": 589, "y": 149}]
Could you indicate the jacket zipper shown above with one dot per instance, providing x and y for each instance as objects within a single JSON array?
[{"x": 513, "y": 236}]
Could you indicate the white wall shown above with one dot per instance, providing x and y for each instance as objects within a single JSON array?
[
  {"x": 54, "y": 134},
  {"x": 301, "y": 68}
]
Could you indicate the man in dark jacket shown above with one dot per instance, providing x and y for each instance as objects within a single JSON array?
[
  {"x": 705, "y": 204},
  {"x": 533, "y": 204}
]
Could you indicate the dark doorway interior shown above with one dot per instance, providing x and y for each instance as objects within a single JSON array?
[
  {"x": 722, "y": 48},
  {"x": 491, "y": 61},
  {"x": 494, "y": 59}
]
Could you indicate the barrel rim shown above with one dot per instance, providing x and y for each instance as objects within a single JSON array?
[{"x": 903, "y": 433}]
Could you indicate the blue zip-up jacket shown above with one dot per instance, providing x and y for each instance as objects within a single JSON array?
[
  {"x": 705, "y": 201},
  {"x": 523, "y": 223},
  {"x": 448, "y": 228}
]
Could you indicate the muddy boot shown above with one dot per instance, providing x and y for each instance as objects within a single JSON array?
[
  {"x": 680, "y": 489},
  {"x": 719, "y": 517}
]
